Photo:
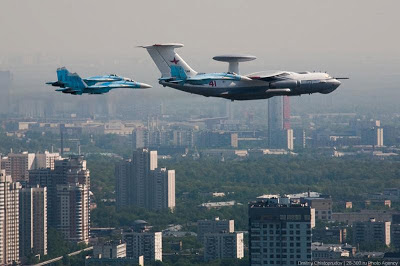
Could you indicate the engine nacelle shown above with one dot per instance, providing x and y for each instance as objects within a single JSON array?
[{"x": 283, "y": 84}]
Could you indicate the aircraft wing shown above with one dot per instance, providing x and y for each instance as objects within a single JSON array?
[
  {"x": 267, "y": 75},
  {"x": 70, "y": 90}
]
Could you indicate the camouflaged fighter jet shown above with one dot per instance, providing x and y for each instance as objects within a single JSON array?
[
  {"x": 176, "y": 73},
  {"x": 73, "y": 84}
]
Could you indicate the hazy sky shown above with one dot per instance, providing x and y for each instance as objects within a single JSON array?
[{"x": 357, "y": 38}]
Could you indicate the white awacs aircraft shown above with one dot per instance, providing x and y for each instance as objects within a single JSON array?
[{"x": 176, "y": 73}]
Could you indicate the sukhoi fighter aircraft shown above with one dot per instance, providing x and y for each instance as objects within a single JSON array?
[
  {"x": 176, "y": 73},
  {"x": 73, "y": 84}
]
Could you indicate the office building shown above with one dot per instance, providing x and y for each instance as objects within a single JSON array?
[
  {"x": 9, "y": 219},
  {"x": 213, "y": 227},
  {"x": 147, "y": 244},
  {"x": 223, "y": 246},
  {"x": 371, "y": 231},
  {"x": 73, "y": 212},
  {"x": 33, "y": 221},
  {"x": 279, "y": 232},
  {"x": 162, "y": 189}
]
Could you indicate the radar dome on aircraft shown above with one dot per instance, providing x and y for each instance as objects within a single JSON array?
[{"x": 234, "y": 60}]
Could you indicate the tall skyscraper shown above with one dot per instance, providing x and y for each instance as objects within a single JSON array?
[
  {"x": 140, "y": 183},
  {"x": 279, "y": 232},
  {"x": 9, "y": 219},
  {"x": 147, "y": 244},
  {"x": 223, "y": 246},
  {"x": 162, "y": 189},
  {"x": 33, "y": 221}
]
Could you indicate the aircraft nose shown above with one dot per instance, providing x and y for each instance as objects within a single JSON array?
[
  {"x": 336, "y": 83},
  {"x": 145, "y": 86}
]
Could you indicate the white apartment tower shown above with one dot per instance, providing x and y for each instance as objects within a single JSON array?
[
  {"x": 33, "y": 221},
  {"x": 9, "y": 219},
  {"x": 73, "y": 215},
  {"x": 162, "y": 189}
]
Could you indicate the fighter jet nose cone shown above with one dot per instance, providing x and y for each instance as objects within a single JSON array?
[{"x": 145, "y": 86}]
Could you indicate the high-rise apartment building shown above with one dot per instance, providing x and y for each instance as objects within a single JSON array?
[
  {"x": 371, "y": 231},
  {"x": 20, "y": 164},
  {"x": 372, "y": 136},
  {"x": 280, "y": 135},
  {"x": 395, "y": 231},
  {"x": 279, "y": 232},
  {"x": 162, "y": 189},
  {"x": 213, "y": 227},
  {"x": 223, "y": 246},
  {"x": 68, "y": 187},
  {"x": 143, "y": 160},
  {"x": 124, "y": 183},
  {"x": 33, "y": 221},
  {"x": 147, "y": 244},
  {"x": 46, "y": 160},
  {"x": 73, "y": 212},
  {"x": 9, "y": 219},
  {"x": 140, "y": 183}
]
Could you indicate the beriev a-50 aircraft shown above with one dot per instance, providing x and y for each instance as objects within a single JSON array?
[
  {"x": 176, "y": 73},
  {"x": 73, "y": 84}
]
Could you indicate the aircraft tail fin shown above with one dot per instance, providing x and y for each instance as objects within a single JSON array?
[
  {"x": 178, "y": 72},
  {"x": 164, "y": 56},
  {"x": 71, "y": 80}
]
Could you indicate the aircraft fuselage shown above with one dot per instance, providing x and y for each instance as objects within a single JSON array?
[{"x": 258, "y": 85}]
